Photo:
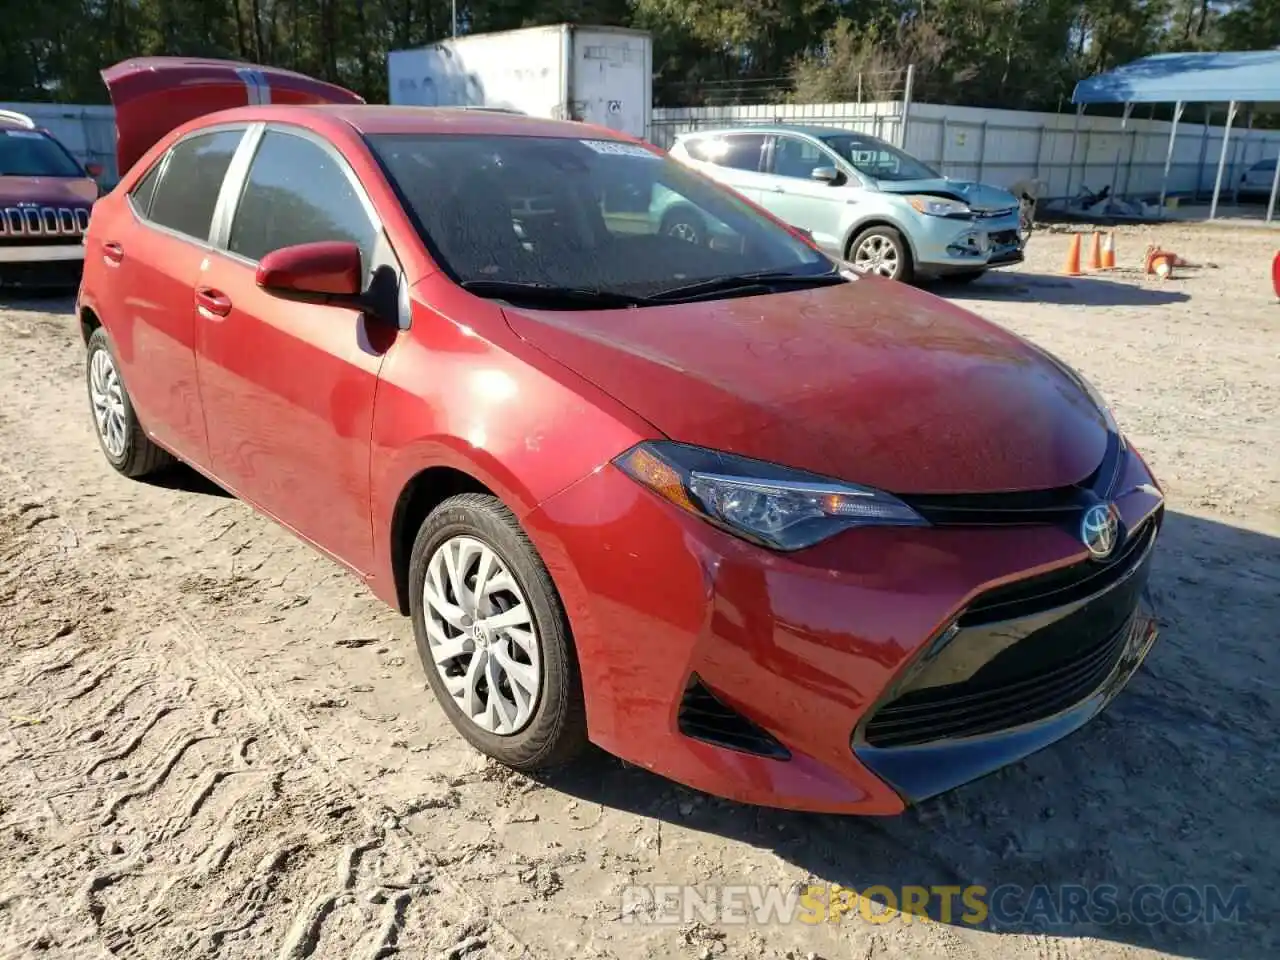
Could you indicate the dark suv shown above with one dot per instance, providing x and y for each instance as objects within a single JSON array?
[{"x": 45, "y": 199}]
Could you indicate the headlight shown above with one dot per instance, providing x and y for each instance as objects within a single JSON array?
[
  {"x": 939, "y": 206},
  {"x": 773, "y": 506}
]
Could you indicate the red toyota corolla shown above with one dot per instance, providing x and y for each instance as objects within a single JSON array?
[{"x": 773, "y": 530}]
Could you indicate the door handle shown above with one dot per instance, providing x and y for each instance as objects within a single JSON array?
[
  {"x": 212, "y": 302},
  {"x": 112, "y": 252},
  {"x": 778, "y": 190}
]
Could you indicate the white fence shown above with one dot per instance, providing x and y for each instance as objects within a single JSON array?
[
  {"x": 1005, "y": 146},
  {"x": 997, "y": 146}
]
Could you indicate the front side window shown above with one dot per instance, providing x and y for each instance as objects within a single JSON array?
[
  {"x": 187, "y": 193},
  {"x": 738, "y": 151},
  {"x": 793, "y": 157},
  {"x": 297, "y": 193},
  {"x": 30, "y": 153},
  {"x": 593, "y": 215},
  {"x": 878, "y": 160}
]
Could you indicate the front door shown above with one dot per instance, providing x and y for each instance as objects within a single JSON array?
[
  {"x": 288, "y": 388},
  {"x": 794, "y": 196},
  {"x": 155, "y": 257}
]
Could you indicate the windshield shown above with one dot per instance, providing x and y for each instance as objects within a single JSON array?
[
  {"x": 601, "y": 216},
  {"x": 874, "y": 158},
  {"x": 30, "y": 153}
]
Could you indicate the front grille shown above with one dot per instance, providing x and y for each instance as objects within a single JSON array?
[
  {"x": 32, "y": 222},
  {"x": 1066, "y": 585},
  {"x": 704, "y": 717},
  {"x": 993, "y": 214},
  {"x": 1004, "y": 238},
  {"x": 974, "y": 709},
  {"x": 1021, "y": 652}
]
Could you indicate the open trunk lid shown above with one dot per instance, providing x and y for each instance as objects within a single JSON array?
[{"x": 153, "y": 95}]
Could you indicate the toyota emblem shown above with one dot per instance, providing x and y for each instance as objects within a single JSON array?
[{"x": 1100, "y": 530}]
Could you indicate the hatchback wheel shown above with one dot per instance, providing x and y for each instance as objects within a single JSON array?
[
  {"x": 125, "y": 444},
  {"x": 881, "y": 250},
  {"x": 493, "y": 637}
]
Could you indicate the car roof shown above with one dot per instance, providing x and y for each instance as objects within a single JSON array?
[
  {"x": 778, "y": 128},
  {"x": 12, "y": 120},
  {"x": 380, "y": 119}
]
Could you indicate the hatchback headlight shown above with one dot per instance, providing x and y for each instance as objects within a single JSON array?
[
  {"x": 774, "y": 506},
  {"x": 939, "y": 206}
]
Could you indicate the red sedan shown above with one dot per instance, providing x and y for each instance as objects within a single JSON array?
[{"x": 777, "y": 531}]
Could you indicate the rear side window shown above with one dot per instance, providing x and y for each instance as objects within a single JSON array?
[
  {"x": 738, "y": 152},
  {"x": 146, "y": 188},
  {"x": 185, "y": 197},
  {"x": 296, "y": 192}
]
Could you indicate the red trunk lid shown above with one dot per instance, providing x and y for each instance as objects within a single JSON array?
[{"x": 153, "y": 95}]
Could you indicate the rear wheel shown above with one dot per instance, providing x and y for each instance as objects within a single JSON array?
[
  {"x": 124, "y": 443},
  {"x": 493, "y": 636},
  {"x": 882, "y": 251}
]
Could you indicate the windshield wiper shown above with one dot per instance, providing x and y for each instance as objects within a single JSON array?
[
  {"x": 550, "y": 295},
  {"x": 765, "y": 281}
]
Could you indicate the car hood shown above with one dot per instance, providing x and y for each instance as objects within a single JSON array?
[
  {"x": 979, "y": 196},
  {"x": 47, "y": 191},
  {"x": 871, "y": 382}
]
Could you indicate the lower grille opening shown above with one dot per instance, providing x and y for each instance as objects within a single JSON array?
[
  {"x": 704, "y": 717},
  {"x": 979, "y": 707}
]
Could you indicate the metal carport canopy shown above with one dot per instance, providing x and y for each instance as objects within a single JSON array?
[{"x": 1231, "y": 77}]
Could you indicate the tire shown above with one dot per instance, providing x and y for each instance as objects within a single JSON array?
[
  {"x": 124, "y": 442},
  {"x": 554, "y": 730},
  {"x": 891, "y": 246},
  {"x": 685, "y": 225}
]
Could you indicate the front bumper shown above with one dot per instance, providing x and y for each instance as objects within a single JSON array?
[
  {"x": 45, "y": 267},
  {"x": 946, "y": 245},
  {"x": 759, "y": 676}
]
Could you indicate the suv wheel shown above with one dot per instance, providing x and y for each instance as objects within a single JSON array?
[{"x": 882, "y": 251}]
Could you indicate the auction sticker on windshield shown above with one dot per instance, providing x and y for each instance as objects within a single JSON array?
[
  {"x": 619, "y": 149},
  {"x": 25, "y": 134}
]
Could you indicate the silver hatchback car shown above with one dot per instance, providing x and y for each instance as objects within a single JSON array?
[{"x": 861, "y": 199}]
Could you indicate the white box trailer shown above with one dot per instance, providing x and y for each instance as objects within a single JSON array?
[{"x": 601, "y": 75}]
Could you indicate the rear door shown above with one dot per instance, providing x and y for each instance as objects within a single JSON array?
[
  {"x": 734, "y": 159},
  {"x": 288, "y": 388},
  {"x": 153, "y": 255}
]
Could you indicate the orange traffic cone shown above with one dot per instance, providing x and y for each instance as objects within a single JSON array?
[
  {"x": 1162, "y": 264},
  {"x": 1071, "y": 268},
  {"x": 1095, "y": 253},
  {"x": 1109, "y": 251},
  {"x": 1275, "y": 274}
]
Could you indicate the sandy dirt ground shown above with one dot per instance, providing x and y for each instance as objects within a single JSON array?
[{"x": 214, "y": 743}]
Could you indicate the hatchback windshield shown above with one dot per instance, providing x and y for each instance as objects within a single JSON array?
[
  {"x": 29, "y": 153},
  {"x": 594, "y": 216},
  {"x": 880, "y": 161}
]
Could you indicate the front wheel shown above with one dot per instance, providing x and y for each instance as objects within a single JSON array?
[
  {"x": 882, "y": 251},
  {"x": 124, "y": 443},
  {"x": 493, "y": 636}
]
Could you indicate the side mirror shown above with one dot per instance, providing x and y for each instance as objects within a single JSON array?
[
  {"x": 94, "y": 170},
  {"x": 328, "y": 272},
  {"x": 828, "y": 175}
]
